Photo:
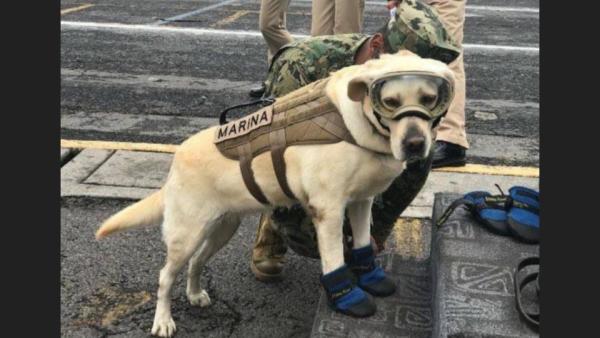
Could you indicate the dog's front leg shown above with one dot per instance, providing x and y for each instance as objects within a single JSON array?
[
  {"x": 328, "y": 223},
  {"x": 371, "y": 277},
  {"x": 337, "y": 280},
  {"x": 359, "y": 214}
]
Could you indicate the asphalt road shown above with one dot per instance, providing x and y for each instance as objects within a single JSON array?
[
  {"x": 158, "y": 82},
  {"x": 108, "y": 287}
]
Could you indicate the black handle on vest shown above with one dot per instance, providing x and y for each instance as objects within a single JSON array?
[{"x": 265, "y": 102}]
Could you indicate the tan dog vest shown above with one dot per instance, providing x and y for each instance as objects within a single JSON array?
[{"x": 304, "y": 116}]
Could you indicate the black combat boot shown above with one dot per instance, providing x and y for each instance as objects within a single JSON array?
[{"x": 448, "y": 154}]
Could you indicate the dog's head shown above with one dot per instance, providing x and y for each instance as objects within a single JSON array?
[{"x": 404, "y": 103}]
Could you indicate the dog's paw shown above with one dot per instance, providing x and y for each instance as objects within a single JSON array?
[
  {"x": 199, "y": 299},
  {"x": 163, "y": 327}
]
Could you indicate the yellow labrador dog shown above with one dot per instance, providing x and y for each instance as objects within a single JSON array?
[{"x": 388, "y": 105}]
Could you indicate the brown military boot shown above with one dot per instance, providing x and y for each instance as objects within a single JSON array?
[{"x": 268, "y": 252}]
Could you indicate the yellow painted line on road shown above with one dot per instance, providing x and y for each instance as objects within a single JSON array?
[
  {"x": 230, "y": 18},
  {"x": 75, "y": 9},
  {"x": 493, "y": 170},
  {"x": 408, "y": 235},
  {"x": 480, "y": 169},
  {"x": 111, "y": 145}
]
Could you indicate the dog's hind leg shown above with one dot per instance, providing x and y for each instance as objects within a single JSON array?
[
  {"x": 219, "y": 234},
  {"x": 183, "y": 231}
]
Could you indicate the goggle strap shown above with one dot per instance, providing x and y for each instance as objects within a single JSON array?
[{"x": 438, "y": 120}]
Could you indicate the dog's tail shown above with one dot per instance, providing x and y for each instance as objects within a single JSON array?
[{"x": 145, "y": 212}]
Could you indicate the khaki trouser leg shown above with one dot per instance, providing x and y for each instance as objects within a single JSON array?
[
  {"x": 330, "y": 17},
  {"x": 348, "y": 16},
  {"x": 271, "y": 22},
  {"x": 323, "y": 16},
  {"x": 452, "y": 127}
]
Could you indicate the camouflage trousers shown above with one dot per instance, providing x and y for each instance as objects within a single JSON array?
[{"x": 295, "y": 228}]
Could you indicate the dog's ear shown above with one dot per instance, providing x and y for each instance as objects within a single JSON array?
[{"x": 357, "y": 89}]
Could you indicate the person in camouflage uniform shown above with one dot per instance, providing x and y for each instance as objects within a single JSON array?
[{"x": 415, "y": 27}]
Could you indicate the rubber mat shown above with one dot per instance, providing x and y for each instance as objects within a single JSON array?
[{"x": 472, "y": 275}]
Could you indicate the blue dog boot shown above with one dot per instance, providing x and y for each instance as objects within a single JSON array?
[
  {"x": 488, "y": 209},
  {"x": 371, "y": 277},
  {"x": 345, "y": 297},
  {"x": 524, "y": 214}
]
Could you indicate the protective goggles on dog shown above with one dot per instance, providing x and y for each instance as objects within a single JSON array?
[{"x": 430, "y": 107}]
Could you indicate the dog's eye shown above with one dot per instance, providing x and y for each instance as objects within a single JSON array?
[
  {"x": 391, "y": 102},
  {"x": 428, "y": 100}
]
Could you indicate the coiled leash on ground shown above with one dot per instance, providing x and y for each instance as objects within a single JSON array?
[
  {"x": 263, "y": 102},
  {"x": 531, "y": 318}
]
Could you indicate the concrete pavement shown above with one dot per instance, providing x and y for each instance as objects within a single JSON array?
[
  {"x": 134, "y": 175},
  {"x": 108, "y": 288}
]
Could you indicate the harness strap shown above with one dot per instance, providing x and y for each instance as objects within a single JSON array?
[
  {"x": 277, "y": 151},
  {"x": 278, "y": 145},
  {"x": 333, "y": 122},
  {"x": 245, "y": 152}
]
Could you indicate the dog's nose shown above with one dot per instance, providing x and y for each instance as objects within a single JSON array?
[{"x": 414, "y": 144}]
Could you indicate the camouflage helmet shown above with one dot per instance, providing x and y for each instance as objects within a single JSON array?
[{"x": 415, "y": 26}]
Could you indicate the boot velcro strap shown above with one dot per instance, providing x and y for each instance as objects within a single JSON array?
[
  {"x": 335, "y": 296},
  {"x": 340, "y": 289},
  {"x": 376, "y": 274},
  {"x": 363, "y": 260},
  {"x": 338, "y": 283},
  {"x": 352, "y": 297},
  {"x": 363, "y": 268},
  {"x": 337, "y": 291},
  {"x": 494, "y": 202},
  {"x": 337, "y": 279},
  {"x": 525, "y": 206},
  {"x": 364, "y": 255}
]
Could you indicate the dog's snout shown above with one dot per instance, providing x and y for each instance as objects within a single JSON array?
[{"x": 414, "y": 144}]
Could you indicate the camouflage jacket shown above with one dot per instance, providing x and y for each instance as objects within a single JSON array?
[{"x": 302, "y": 62}]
